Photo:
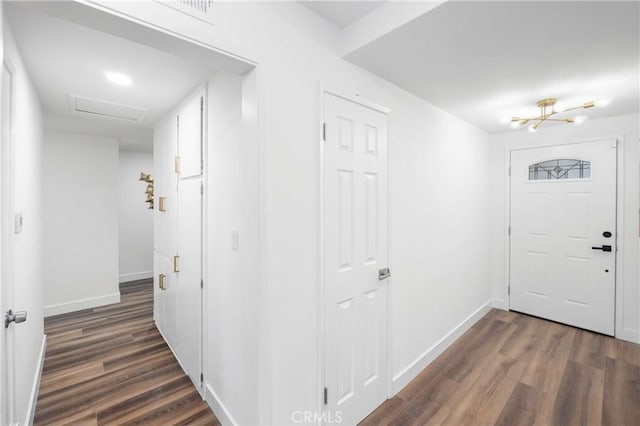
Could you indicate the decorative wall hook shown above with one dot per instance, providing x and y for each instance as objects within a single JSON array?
[{"x": 146, "y": 177}]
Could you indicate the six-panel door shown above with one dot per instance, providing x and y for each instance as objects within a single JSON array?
[{"x": 355, "y": 249}]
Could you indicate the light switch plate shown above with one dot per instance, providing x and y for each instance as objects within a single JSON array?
[
  {"x": 234, "y": 239},
  {"x": 18, "y": 223}
]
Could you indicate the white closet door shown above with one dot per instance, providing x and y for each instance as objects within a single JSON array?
[
  {"x": 355, "y": 191},
  {"x": 189, "y": 296},
  {"x": 158, "y": 298},
  {"x": 165, "y": 188},
  {"x": 190, "y": 136}
]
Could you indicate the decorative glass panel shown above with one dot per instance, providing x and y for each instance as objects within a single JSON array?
[{"x": 560, "y": 169}]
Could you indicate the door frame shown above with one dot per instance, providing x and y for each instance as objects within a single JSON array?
[
  {"x": 7, "y": 202},
  {"x": 619, "y": 260},
  {"x": 321, "y": 293}
]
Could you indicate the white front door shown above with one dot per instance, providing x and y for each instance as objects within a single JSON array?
[
  {"x": 563, "y": 234},
  {"x": 355, "y": 249}
]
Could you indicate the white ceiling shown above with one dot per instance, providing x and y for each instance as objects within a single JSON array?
[
  {"x": 65, "y": 58},
  {"x": 342, "y": 13},
  {"x": 488, "y": 61}
]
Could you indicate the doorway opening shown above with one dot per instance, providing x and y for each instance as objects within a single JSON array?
[{"x": 121, "y": 100}]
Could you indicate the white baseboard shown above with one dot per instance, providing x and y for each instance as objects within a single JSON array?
[
  {"x": 499, "y": 304},
  {"x": 134, "y": 276},
  {"x": 31, "y": 409},
  {"x": 412, "y": 370},
  {"x": 221, "y": 412},
  {"x": 629, "y": 335},
  {"x": 78, "y": 305}
]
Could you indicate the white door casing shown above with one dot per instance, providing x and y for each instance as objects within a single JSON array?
[
  {"x": 555, "y": 272},
  {"x": 6, "y": 235},
  {"x": 355, "y": 249}
]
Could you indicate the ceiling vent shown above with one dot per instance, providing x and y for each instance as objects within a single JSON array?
[
  {"x": 199, "y": 5},
  {"x": 199, "y": 9},
  {"x": 108, "y": 109}
]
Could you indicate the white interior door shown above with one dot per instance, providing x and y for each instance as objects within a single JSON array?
[
  {"x": 189, "y": 296},
  {"x": 7, "y": 378},
  {"x": 165, "y": 148},
  {"x": 563, "y": 222},
  {"x": 355, "y": 221}
]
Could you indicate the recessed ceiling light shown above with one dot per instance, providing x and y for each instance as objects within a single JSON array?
[{"x": 119, "y": 79}]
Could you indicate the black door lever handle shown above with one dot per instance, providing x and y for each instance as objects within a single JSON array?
[{"x": 603, "y": 248}]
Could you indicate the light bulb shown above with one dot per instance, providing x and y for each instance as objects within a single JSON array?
[
  {"x": 514, "y": 124},
  {"x": 580, "y": 119},
  {"x": 603, "y": 103},
  {"x": 119, "y": 79},
  {"x": 532, "y": 128}
]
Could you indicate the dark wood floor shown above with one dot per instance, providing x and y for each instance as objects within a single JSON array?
[
  {"x": 109, "y": 365},
  {"x": 511, "y": 369}
]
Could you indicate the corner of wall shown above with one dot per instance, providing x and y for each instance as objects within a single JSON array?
[{"x": 409, "y": 373}]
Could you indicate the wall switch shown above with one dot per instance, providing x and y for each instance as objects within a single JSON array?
[
  {"x": 18, "y": 223},
  {"x": 234, "y": 239}
]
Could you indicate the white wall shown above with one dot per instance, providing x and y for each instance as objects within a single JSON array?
[
  {"x": 232, "y": 355},
  {"x": 433, "y": 289},
  {"x": 626, "y": 129},
  {"x": 27, "y": 246},
  {"x": 81, "y": 221},
  {"x": 135, "y": 220}
]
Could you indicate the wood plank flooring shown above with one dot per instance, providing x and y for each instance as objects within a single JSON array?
[
  {"x": 512, "y": 369},
  {"x": 109, "y": 365}
]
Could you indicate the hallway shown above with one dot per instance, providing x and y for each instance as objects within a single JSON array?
[{"x": 109, "y": 365}]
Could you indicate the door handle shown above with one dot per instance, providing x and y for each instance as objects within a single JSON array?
[
  {"x": 384, "y": 273},
  {"x": 16, "y": 317},
  {"x": 603, "y": 248}
]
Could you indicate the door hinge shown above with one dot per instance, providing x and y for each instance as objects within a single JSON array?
[
  {"x": 201, "y": 283},
  {"x": 176, "y": 264},
  {"x": 509, "y": 230},
  {"x": 509, "y": 171},
  {"x": 201, "y": 378},
  {"x": 176, "y": 164},
  {"x": 201, "y": 188},
  {"x": 201, "y": 103},
  {"x": 326, "y": 396},
  {"x": 324, "y": 131},
  {"x": 509, "y": 290}
]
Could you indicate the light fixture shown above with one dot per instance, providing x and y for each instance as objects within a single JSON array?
[
  {"x": 547, "y": 111},
  {"x": 118, "y": 78},
  {"x": 580, "y": 119}
]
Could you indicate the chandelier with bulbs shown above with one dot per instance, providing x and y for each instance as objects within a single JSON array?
[{"x": 548, "y": 113}]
